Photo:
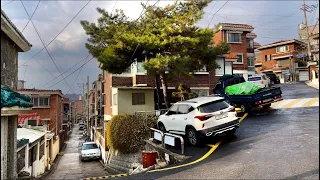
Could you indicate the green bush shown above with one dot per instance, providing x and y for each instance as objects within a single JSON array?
[{"x": 126, "y": 133}]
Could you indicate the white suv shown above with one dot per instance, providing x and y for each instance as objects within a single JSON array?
[{"x": 199, "y": 117}]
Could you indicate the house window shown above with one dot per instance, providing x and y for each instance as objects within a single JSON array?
[
  {"x": 234, "y": 37},
  {"x": 138, "y": 98},
  {"x": 282, "y": 49},
  {"x": 240, "y": 59},
  {"x": 249, "y": 44},
  {"x": 40, "y": 101},
  {"x": 220, "y": 69},
  {"x": 267, "y": 57},
  {"x": 21, "y": 155},
  {"x": 115, "y": 99},
  {"x": 41, "y": 152},
  {"x": 250, "y": 64}
]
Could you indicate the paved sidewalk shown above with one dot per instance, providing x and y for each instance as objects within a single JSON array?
[
  {"x": 313, "y": 84},
  {"x": 70, "y": 166}
]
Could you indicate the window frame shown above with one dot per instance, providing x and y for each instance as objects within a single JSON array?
[
  {"x": 38, "y": 98},
  {"x": 267, "y": 57},
  {"x": 287, "y": 49},
  {"x": 239, "y": 54},
  {"x": 138, "y": 102},
  {"x": 115, "y": 99},
  {"x": 230, "y": 33}
]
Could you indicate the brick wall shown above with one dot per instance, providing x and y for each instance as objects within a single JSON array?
[
  {"x": 107, "y": 90},
  {"x": 9, "y": 62},
  {"x": 54, "y": 113},
  {"x": 272, "y": 51},
  {"x": 235, "y": 48}
]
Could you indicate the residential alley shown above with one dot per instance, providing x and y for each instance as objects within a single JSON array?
[{"x": 70, "y": 166}]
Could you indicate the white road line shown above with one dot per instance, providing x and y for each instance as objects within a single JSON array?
[
  {"x": 315, "y": 104},
  {"x": 282, "y": 103},
  {"x": 299, "y": 104}
]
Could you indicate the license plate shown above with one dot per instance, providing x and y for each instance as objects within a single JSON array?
[
  {"x": 267, "y": 100},
  {"x": 221, "y": 116}
]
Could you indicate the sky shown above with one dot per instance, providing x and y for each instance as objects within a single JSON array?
[{"x": 272, "y": 20}]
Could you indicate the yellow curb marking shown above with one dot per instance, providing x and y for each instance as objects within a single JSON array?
[{"x": 213, "y": 148}]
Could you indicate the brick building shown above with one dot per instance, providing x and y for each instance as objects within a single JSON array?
[
  {"x": 48, "y": 104},
  {"x": 281, "y": 58},
  {"x": 241, "y": 40}
]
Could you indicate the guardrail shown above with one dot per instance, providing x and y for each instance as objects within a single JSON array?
[
  {"x": 163, "y": 136},
  {"x": 175, "y": 136}
]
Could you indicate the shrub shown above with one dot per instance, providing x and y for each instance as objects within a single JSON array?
[{"x": 126, "y": 133}]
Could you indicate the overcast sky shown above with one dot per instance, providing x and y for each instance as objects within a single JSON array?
[{"x": 273, "y": 21}]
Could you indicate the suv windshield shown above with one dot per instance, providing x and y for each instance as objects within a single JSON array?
[
  {"x": 213, "y": 106},
  {"x": 89, "y": 146},
  {"x": 254, "y": 78}
]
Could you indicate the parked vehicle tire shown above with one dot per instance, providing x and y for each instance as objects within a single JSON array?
[
  {"x": 266, "y": 106},
  {"x": 161, "y": 127},
  {"x": 192, "y": 136},
  {"x": 231, "y": 132}
]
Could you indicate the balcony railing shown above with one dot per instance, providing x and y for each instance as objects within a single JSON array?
[{"x": 250, "y": 50}]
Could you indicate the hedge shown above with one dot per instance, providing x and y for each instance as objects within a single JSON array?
[{"x": 126, "y": 133}]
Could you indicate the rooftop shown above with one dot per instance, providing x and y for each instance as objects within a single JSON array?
[
  {"x": 32, "y": 135},
  {"x": 202, "y": 100},
  {"x": 281, "y": 42},
  {"x": 48, "y": 91},
  {"x": 236, "y": 26},
  {"x": 13, "y": 32}
]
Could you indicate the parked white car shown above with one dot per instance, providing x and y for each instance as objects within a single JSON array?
[
  {"x": 260, "y": 80},
  {"x": 90, "y": 150},
  {"x": 199, "y": 118}
]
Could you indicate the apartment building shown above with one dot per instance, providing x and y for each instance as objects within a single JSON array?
[
  {"x": 240, "y": 37},
  {"x": 282, "y": 58}
]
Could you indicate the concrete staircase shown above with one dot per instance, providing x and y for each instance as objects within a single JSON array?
[{"x": 123, "y": 164}]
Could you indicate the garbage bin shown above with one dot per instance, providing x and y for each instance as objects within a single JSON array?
[{"x": 148, "y": 158}]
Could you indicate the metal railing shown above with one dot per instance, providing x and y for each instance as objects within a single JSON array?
[
  {"x": 154, "y": 113},
  {"x": 163, "y": 135},
  {"x": 175, "y": 136}
]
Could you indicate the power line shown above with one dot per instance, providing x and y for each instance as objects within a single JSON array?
[
  {"x": 72, "y": 72},
  {"x": 58, "y": 33},
  {"x": 66, "y": 71},
  {"x": 277, "y": 19},
  {"x": 8, "y": 3},
  {"x": 217, "y": 12},
  {"x": 51, "y": 57},
  {"x": 31, "y": 16},
  {"x": 75, "y": 79}
]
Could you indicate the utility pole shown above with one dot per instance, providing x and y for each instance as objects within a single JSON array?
[
  {"x": 306, "y": 8},
  {"x": 87, "y": 106}
]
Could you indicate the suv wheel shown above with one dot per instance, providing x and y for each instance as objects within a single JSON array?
[
  {"x": 161, "y": 127},
  {"x": 192, "y": 136}
]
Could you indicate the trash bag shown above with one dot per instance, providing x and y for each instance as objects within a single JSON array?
[
  {"x": 244, "y": 88},
  {"x": 11, "y": 98}
]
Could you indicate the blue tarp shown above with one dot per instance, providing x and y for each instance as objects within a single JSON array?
[{"x": 10, "y": 98}]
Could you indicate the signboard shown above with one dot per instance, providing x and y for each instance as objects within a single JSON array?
[
  {"x": 157, "y": 136},
  {"x": 301, "y": 55},
  {"x": 285, "y": 72},
  {"x": 169, "y": 140}
]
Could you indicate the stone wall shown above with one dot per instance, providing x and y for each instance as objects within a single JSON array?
[{"x": 9, "y": 62}]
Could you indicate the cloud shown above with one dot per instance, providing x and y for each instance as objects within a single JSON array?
[{"x": 268, "y": 17}]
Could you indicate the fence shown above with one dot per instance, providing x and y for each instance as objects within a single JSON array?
[
  {"x": 153, "y": 113},
  {"x": 167, "y": 138}
]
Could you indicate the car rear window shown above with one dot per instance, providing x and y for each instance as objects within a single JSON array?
[
  {"x": 254, "y": 78},
  {"x": 89, "y": 146},
  {"x": 213, "y": 106}
]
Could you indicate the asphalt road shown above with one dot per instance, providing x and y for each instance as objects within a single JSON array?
[
  {"x": 276, "y": 144},
  {"x": 71, "y": 167}
]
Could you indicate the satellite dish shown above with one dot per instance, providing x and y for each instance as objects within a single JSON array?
[{"x": 301, "y": 26}]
